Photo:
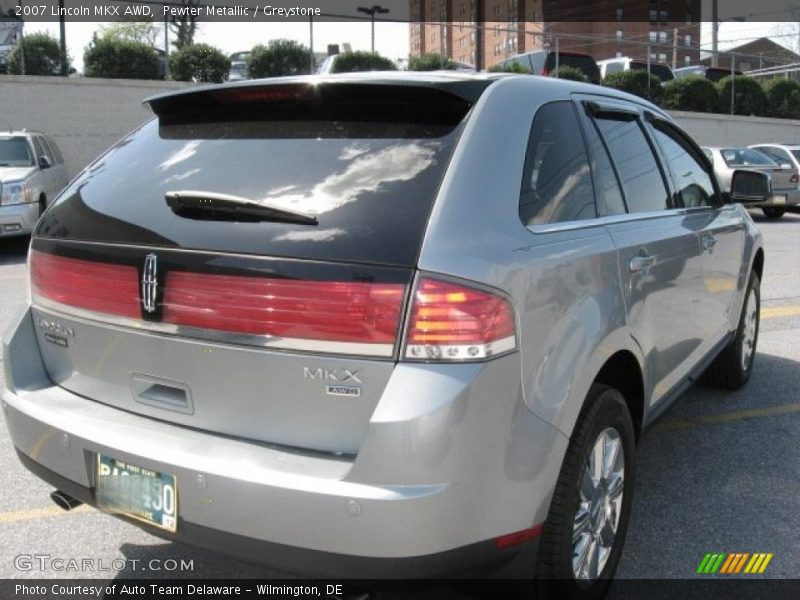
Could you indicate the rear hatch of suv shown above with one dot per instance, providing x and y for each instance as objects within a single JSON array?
[
  {"x": 241, "y": 264},
  {"x": 582, "y": 62}
]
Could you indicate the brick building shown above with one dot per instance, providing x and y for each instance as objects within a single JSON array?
[{"x": 485, "y": 32}]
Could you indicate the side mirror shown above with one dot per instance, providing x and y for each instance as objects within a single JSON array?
[
  {"x": 750, "y": 187},
  {"x": 44, "y": 162}
]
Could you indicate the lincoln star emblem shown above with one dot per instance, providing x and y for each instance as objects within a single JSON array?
[{"x": 149, "y": 283}]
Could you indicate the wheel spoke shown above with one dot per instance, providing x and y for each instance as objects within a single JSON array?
[
  {"x": 607, "y": 532},
  {"x": 588, "y": 489},
  {"x": 580, "y": 555},
  {"x": 592, "y": 560},
  {"x": 613, "y": 455},
  {"x": 596, "y": 459},
  {"x": 581, "y": 524}
]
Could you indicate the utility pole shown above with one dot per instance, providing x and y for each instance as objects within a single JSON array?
[
  {"x": 311, "y": 43},
  {"x": 674, "y": 48},
  {"x": 714, "y": 33},
  {"x": 62, "y": 28},
  {"x": 166, "y": 47},
  {"x": 372, "y": 11}
]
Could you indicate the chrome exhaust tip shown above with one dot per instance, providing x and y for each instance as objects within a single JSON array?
[{"x": 64, "y": 501}]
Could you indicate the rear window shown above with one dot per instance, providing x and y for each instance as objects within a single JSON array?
[
  {"x": 580, "y": 61},
  {"x": 368, "y": 170},
  {"x": 15, "y": 152},
  {"x": 663, "y": 72},
  {"x": 746, "y": 157}
]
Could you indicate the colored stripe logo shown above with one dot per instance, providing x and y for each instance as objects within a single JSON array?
[{"x": 735, "y": 562}]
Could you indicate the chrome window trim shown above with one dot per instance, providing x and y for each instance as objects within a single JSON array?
[
  {"x": 197, "y": 334},
  {"x": 613, "y": 219}
]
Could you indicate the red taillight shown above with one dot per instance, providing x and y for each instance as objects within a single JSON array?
[
  {"x": 545, "y": 72},
  {"x": 454, "y": 322},
  {"x": 105, "y": 288},
  {"x": 321, "y": 311},
  {"x": 795, "y": 178}
]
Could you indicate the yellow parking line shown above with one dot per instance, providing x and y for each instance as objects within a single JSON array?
[
  {"x": 780, "y": 311},
  {"x": 38, "y": 513},
  {"x": 738, "y": 415}
]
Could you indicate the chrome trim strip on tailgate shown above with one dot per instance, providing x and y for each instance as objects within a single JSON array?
[{"x": 224, "y": 337}]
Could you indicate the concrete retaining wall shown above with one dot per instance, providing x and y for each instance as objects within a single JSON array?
[
  {"x": 727, "y": 130},
  {"x": 84, "y": 115}
]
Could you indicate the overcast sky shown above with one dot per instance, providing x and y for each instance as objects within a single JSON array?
[{"x": 391, "y": 39}]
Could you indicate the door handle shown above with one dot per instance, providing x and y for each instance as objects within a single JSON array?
[{"x": 641, "y": 262}]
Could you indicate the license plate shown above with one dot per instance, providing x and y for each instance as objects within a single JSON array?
[
  {"x": 779, "y": 199},
  {"x": 137, "y": 492}
]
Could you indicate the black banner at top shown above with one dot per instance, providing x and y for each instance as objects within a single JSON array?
[{"x": 461, "y": 11}]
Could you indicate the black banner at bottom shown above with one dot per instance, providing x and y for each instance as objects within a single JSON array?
[{"x": 292, "y": 589}]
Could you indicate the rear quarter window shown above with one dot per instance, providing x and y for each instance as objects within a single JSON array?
[{"x": 556, "y": 182}]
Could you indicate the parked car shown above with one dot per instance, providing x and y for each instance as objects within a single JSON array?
[
  {"x": 711, "y": 73},
  {"x": 625, "y": 63},
  {"x": 783, "y": 154},
  {"x": 32, "y": 173},
  {"x": 239, "y": 66},
  {"x": 544, "y": 62},
  {"x": 785, "y": 178},
  {"x": 370, "y": 355}
]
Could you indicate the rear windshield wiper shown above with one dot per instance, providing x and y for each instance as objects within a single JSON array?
[{"x": 212, "y": 206}]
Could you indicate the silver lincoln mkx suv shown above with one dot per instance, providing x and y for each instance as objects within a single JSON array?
[{"x": 381, "y": 324}]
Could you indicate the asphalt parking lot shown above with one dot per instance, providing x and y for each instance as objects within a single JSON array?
[{"x": 720, "y": 472}]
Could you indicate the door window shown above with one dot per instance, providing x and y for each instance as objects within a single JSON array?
[
  {"x": 635, "y": 163},
  {"x": 692, "y": 182},
  {"x": 557, "y": 184}
]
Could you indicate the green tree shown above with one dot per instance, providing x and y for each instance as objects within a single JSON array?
[
  {"x": 144, "y": 32},
  {"x": 199, "y": 62},
  {"x": 693, "y": 93},
  {"x": 42, "y": 55},
  {"x": 639, "y": 83},
  {"x": 184, "y": 27},
  {"x": 350, "y": 62},
  {"x": 571, "y": 73},
  {"x": 513, "y": 67},
  {"x": 783, "y": 98},
  {"x": 120, "y": 59},
  {"x": 279, "y": 58},
  {"x": 748, "y": 95},
  {"x": 432, "y": 61}
]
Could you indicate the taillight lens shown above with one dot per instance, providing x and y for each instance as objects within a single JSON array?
[
  {"x": 795, "y": 178},
  {"x": 99, "y": 287},
  {"x": 452, "y": 322},
  {"x": 320, "y": 312},
  {"x": 545, "y": 72}
]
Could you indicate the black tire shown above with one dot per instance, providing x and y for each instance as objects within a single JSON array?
[
  {"x": 772, "y": 212},
  {"x": 728, "y": 371},
  {"x": 604, "y": 408}
]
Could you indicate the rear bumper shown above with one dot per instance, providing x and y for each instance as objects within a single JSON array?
[
  {"x": 415, "y": 498},
  {"x": 783, "y": 198},
  {"x": 18, "y": 219}
]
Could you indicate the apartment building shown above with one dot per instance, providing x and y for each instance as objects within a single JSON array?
[{"x": 485, "y": 32}]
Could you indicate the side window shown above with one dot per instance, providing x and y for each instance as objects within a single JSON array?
[
  {"x": 37, "y": 144},
  {"x": 606, "y": 183},
  {"x": 47, "y": 149},
  {"x": 57, "y": 156},
  {"x": 692, "y": 182},
  {"x": 556, "y": 182},
  {"x": 637, "y": 167}
]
